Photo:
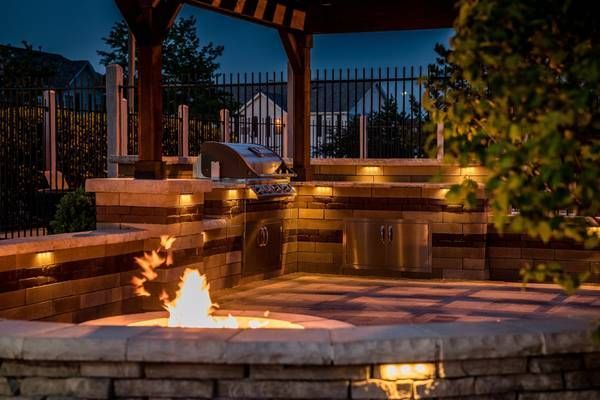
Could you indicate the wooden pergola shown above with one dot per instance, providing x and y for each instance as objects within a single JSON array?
[{"x": 296, "y": 20}]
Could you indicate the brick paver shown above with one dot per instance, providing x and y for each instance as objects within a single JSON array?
[{"x": 375, "y": 301}]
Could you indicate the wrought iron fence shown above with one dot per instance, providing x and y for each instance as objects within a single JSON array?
[
  {"x": 378, "y": 108},
  {"x": 369, "y": 113},
  {"x": 51, "y": 140}
]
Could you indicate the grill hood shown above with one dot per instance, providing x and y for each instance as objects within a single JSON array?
[{"x": 243, "y": 161}]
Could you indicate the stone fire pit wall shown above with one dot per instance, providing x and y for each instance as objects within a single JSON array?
[{"x": 549, "y": 359}]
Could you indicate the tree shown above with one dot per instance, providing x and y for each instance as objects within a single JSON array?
[
  {"x": 184, "y": 61},
  {"x": 394, "y": 133},
  {"x": 24, "y": 67},
  {"x": 183, "y": 57},
  {"x": 340, "y": 140},
  {"x": 390, "y": 133},
  {"x": 522, "y": 99}
]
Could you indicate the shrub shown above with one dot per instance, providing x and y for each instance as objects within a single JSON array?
[{"x": 75, "y": 213}]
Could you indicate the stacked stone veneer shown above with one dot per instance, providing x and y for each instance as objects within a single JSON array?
[
  {"x": 204, "y": 242},
  {"x": 464, "y": 243},
  {"x": 554, "y": 359},
  {"x": 71, "y": 277},
  {"x": 237, "y": 206},
  {"x": 458, "y": 250}
]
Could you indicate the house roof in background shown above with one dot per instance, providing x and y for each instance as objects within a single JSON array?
[
  {"x": 66, "y": 70},
  {"x": 326, "y": 96}
]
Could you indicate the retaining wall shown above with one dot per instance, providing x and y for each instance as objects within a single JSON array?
[{"x": 551, "y": 359}]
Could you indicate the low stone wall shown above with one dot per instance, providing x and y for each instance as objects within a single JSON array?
[
  {"x": 69, "y": 277},
  {"x": 535, "y": 360}
]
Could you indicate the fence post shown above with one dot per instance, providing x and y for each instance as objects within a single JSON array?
[
  {"x": 289, "y": 117},
  {"x": 440, "y": 140},
  {"x": 50, "y": 137},
  {"x": 363, "y": 139},
  {"x": 226, "y": 127},
  {"x": 123, "y": 128},
  {"x": 183, "y": 130},
  {"x": 285, "y": 143},
  {"x": 114, "y": 83}
]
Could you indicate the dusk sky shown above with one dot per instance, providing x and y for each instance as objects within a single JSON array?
[{"x": 74, "y": 28}]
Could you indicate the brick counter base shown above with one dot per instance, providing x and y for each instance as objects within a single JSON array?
[{"x": 551, "y": 359}]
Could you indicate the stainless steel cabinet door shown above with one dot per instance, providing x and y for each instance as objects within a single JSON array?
[
  {"x": 408, "y": 245},
  {"x": 263, "y": 245},
  {"x": 366, "y": 244}
]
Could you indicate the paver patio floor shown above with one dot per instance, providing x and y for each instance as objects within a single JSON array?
[{"x": 377, "y": 301}]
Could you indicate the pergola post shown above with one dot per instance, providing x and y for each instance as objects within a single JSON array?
[
  {"x": 149, "y": 21},
  {"x": 298, "y": 47},
  {"x": 150, "y": 119}
]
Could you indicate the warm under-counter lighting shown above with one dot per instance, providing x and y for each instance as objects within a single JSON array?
[
  {"x": 370, "y": 171},
  {"x": 323, "y": 191},
  {"x": 44, "y": 258},
  {"x": 436, "y": 193},
  {"x": 185, "y": 199},
  {"x": 235, "y": 194},
  {"x": 392, "y": 372},
  {"x": 594, "y": 230}
]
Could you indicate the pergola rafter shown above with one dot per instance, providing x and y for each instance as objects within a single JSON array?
[
  {"x": 281, "y": 14},
  {"x": 296, "y": 21}
]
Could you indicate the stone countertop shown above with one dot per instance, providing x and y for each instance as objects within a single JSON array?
[
  {"x": 343, "y": 184},
  {"x": 43, "y": 341},
  {"x": 38, "y": 244},
  {"x": 382, "y": 185},
  {"x": 169, "y": 160},
  {"x": 148, "y": 186},
  {"x": 383, "y": 162},
  {"x": 130, "y": 185}
]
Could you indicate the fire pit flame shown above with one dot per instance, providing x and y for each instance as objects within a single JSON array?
[{"x": 192, "y": 306}]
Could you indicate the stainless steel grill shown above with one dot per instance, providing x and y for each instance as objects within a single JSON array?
[{"x": 262, "y": 169}]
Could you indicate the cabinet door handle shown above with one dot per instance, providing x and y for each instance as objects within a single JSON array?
[
  {"x": 382, "y": 233},
  {"x": 266, "y": 236},
  {"x": 390, "y": 234},
  {"x": 262, "y": 237}
]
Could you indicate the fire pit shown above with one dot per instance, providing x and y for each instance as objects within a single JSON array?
[{"x": 244, "y": 320}]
